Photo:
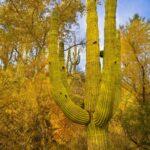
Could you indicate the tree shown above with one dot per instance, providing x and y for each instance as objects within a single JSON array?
[
  {"x": 29, "y": 21},
  {"x": 25, "y": 111},
  {"x": 100, "y": 86},
  {"x": 135, "y": 61}
]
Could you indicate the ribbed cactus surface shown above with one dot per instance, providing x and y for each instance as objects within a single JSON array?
[
  {"x": 59, "y": 92},
  {"x": 102, "y": 87},
  {"x": 92, "y": 57},
  {"x": 107, "y": 89}
]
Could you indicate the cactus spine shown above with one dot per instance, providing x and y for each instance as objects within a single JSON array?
[{"x": 99, "y": 99}]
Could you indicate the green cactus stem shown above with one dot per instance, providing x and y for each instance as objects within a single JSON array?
[
  {"x": 106, "y": 98},
  {"x": 92, "y": 57}
]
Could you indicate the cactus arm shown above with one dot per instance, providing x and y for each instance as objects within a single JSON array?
[
  {"x": 75, "y": 98},
  {"x": 92, "y": 57},
  {"x": 72, "y": 111},
  {"x": 62, "y": 64},
  {"x": 59, "y": 92},
  {"x": 61, "y": 53},
  {"x": 110, "y": 34},
  {"x": 103, "y": 111}
]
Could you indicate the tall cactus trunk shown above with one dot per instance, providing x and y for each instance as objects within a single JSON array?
[
  {"x": 95, "y": 135},
  {"x": 109, "y": 80},
  {"x": 99, "y": 100}
]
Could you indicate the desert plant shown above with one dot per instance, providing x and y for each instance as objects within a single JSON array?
[{"x": 102, "y": 87}]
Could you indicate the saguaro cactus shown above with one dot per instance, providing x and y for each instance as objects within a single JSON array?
[
  {"x": 72, "y": 62},
  {"x": 76, "y": 56},
  {"x": 100, "y": 86}
]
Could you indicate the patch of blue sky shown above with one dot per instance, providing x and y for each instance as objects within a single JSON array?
[{"x": 125, "y": 10}]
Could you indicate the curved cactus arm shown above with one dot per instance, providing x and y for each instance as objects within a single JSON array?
[
  {"x": 104, "y": 108},
  {"x": 75, "y": 98},
  {"x": 72, "y": 111},
  {"x": 59, "y": 92}
]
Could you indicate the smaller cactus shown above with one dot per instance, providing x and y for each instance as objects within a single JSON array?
[
  {"x": 73, "y": 61},
  {"x": 76, "y": 60}
]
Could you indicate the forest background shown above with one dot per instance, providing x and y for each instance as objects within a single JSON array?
[{"x": 29, "y": 117}]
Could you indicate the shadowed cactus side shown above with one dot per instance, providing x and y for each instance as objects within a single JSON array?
[{"x": 102, "y": 87}]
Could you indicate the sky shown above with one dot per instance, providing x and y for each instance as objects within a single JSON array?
[{"x": 125, "y": 10}]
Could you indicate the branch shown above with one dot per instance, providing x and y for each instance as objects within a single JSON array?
[{"x": 81, "y": 43}]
